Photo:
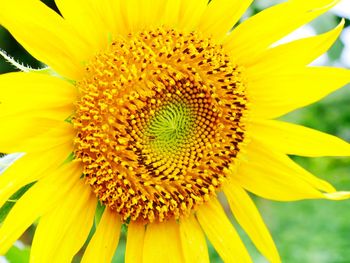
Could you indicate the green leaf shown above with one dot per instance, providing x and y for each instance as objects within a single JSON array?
[
  {"x": 336, "y": 51},
  {"x": 18, "y": 255},
  {"x": 99, "y": 212},
  {"x": 6, "y": 208}
]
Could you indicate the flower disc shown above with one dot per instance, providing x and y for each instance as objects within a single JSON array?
[{"x": 160, "y": 118}]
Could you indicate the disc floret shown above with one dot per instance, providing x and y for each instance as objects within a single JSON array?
[{"x": 159, "y": 119}]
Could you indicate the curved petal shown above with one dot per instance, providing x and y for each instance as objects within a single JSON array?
[
  {"x": 96, "y": 21},
  {"x": 134, "y": 242},
  {"x": 221, "y": 233},
  {"x": 32, "y": 135},
  {"x": 15, "y": 133},
  {"x": 221, "y": 15},
  {"x": 31, "y": 168},
  {"x": 193, "y": 241},
  {"x": 62, "y": 231},
  {"x": 142, "y": 15},
  {"x": 38, "y": 200},
  {"x": 33, "y": 94},
  {"x": 156, "y": 236},
  {"x": 257, "y": 33},
  {"x": 276, "y": 94},
  {"x": 45, "y": 35},
  {"x": 249, "y": 218},
  {"x": 274, "y": 176},
  {"x": 171, "y": 13},
  {"x": 103, "y": 244},
  {"x": 294, "y": 139},
  {"x": 293, "y": 54},
  {"x": 190, "y": 14}
]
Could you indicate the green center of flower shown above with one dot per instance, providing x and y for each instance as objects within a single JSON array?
[
  {"x": 171, "y": 127},
  {"x": 158, "y": 123}
]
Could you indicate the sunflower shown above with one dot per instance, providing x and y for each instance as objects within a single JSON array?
[{"x": 148, "y": 110}]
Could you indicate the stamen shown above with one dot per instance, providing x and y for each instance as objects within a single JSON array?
[{"x": 160, "y": 117}]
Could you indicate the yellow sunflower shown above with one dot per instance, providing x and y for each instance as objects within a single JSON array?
[{"x": 150, "y": 109}]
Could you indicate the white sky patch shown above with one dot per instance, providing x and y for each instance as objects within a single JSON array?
[
  {"x": 7, "y": 160},
  {"x": 304, "y": 32},
  {"x": 342, "y": 9},
  {"x": 345, "y": 37},
  {"x": 3, "y": 260},
  {"x": 19, "y": 244}
]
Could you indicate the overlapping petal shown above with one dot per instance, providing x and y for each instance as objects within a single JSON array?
[
  {"x": 46, "y": 35},
  {"x": 248, "y": 217},
  {"x": 38, "y": 200},
  {"x": 190, "y": 14},
  {"x": 59, "y": 234},
  {"x": 95, "y": 21},
  {"x": 294, "y": 139},
  {"x": 105, "y": 240},
  {"x": 259, "y": 32},
  {"x": 293, "y": 54},
  {"x": 156, "y": 236},
  {"x": 36, "y": 95},
  {"x": 31, "y": 168},
  {"x": 273, "y": 175},
  {"x": 220, "y": 16},
  {"x": 221, "y": 233},
  {"x": 193, "y": 241},
  {"x": 278, "y": 93},
  {"x": 134, "y": 242}
]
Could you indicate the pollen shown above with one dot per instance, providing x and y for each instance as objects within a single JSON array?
[{"x": 160, "y": 118}]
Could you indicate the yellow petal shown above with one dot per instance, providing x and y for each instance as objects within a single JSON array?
[
  {"x": 162, "y": 243},
  {"x": 190, "y": 14},
  {"x": 140, "y": 15},
  {"x": 33, "y": 94},
  {"x": 171, "y": 13},
  {"x": 131, "y": 13},
  {"x": 152, "y": 15},
  {"x": 103, "y": 244},
  {"x": 38, "y": 200},
  {"x": 278, "y": 93},
  {"x": 45, "y": 35},
  {"x": 95, "y": 20},
  {"x": 14, "y": 132},
  {"x": 30, "y": 134},
  {"x": 221, "y": 233},
  {"x": 30, "y": 168},
  {"x": 221, "y": 16},
  {"x": 134, "y": 242},
  {"x": 294, "y": 139},
  {"x": 337, "y": 196},
  {"x": 274, "y": 176},
  {"x": 249, "y": 218},
  {"x": 62, "y": 134},
  {"x": 257, "y": 33},
  {"x": 297, "y": 53},
  {"x": 62, "y": 231},
  {"x": 193, "y": 241}
]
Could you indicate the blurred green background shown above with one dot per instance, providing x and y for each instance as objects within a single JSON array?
[{"x": 305, "y": 231}]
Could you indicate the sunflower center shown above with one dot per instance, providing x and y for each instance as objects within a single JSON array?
[
  {"x": 159, "y": 119},
  {"x": 170, "y": 127}
]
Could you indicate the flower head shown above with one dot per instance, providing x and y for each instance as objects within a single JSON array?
[{"x": 151, "y": 110}]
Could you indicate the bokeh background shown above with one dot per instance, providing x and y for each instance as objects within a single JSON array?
[{"x": 306, "y": 231}]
